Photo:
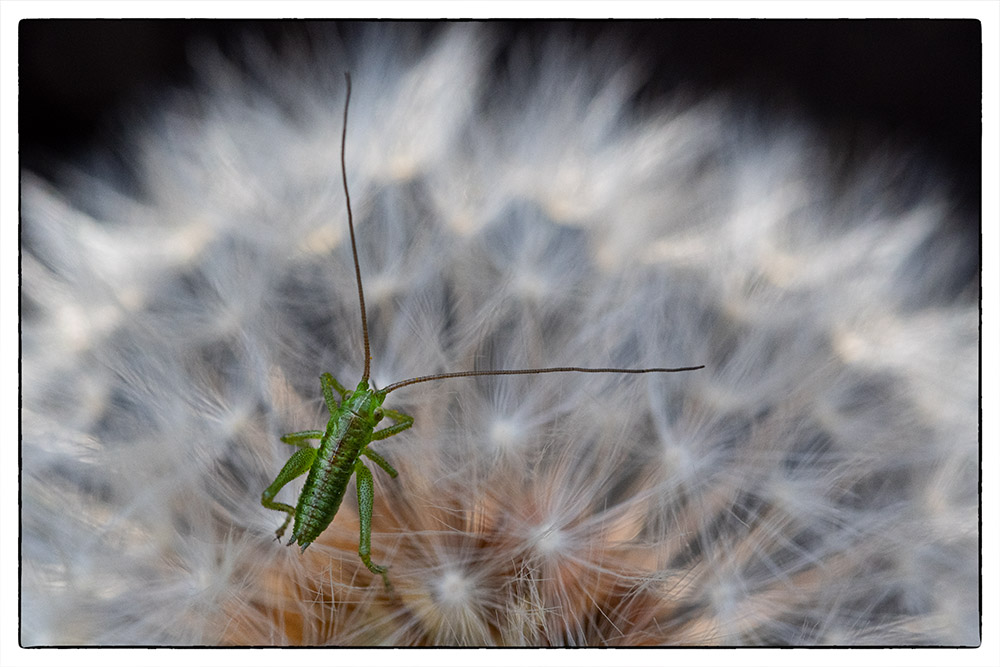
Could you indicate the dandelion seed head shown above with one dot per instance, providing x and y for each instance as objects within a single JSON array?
[{"x": 815, "y": 483}]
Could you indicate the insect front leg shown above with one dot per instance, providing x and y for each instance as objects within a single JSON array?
[
  {"x": 331, "y": 385},
  {"x": 366, "y": 501},
  {"x": 403, "y": 422},
  {"x": 299, "y": 463}
]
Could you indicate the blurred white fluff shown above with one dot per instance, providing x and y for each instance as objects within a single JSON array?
[{"x": 815, "y": 484}]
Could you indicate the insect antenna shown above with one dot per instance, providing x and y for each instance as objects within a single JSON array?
[
  {"x": 445, "y": 376},
  {"x": 535, "y": 371},
  {"x": 350, "y": 224}
]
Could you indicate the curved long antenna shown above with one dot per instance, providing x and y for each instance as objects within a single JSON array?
[
  {"x": 535, "y": 371},
  {"x": 350, "y": 224},
  {"x": 461, "y": 374}
]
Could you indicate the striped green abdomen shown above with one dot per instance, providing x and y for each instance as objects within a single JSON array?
[{"x": 341, "y": 445}]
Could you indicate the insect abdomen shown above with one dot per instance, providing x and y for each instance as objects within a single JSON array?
[{"x": 327, "y": 481}]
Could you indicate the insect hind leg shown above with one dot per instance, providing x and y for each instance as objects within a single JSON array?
[
  {"x": 299, "y": 463},
  {"x": 366, "y": 501}
]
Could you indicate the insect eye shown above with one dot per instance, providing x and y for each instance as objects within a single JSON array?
[{"x": 377, "y": 414}]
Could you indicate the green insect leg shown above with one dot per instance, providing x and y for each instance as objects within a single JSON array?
[
  {"x": 299, "y": 437},
  {"x": 299, "y": 463},
  {"x": 403, "y": 422},
  {"x": 331, "y": 385},
  {"x": 382, "y": 463},
  {"x": 366, "y": 501}
]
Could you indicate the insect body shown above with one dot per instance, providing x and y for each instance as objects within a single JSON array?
[
  {"x": 351, "y": 430},
  {"x": 346, "y": 439}
]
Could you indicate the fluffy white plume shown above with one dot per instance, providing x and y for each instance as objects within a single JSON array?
[{"x": 816, "y": 483}]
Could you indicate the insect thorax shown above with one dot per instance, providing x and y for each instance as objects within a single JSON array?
[{"x": 366, "y": 403}]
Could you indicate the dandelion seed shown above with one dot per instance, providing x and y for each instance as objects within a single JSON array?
[{"x": 505, "y": 434}]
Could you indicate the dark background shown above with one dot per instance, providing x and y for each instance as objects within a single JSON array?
[{"x": 913, "y": 83}]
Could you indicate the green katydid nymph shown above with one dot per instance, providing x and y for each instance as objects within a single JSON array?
[{"x": 351, "y": 430}]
